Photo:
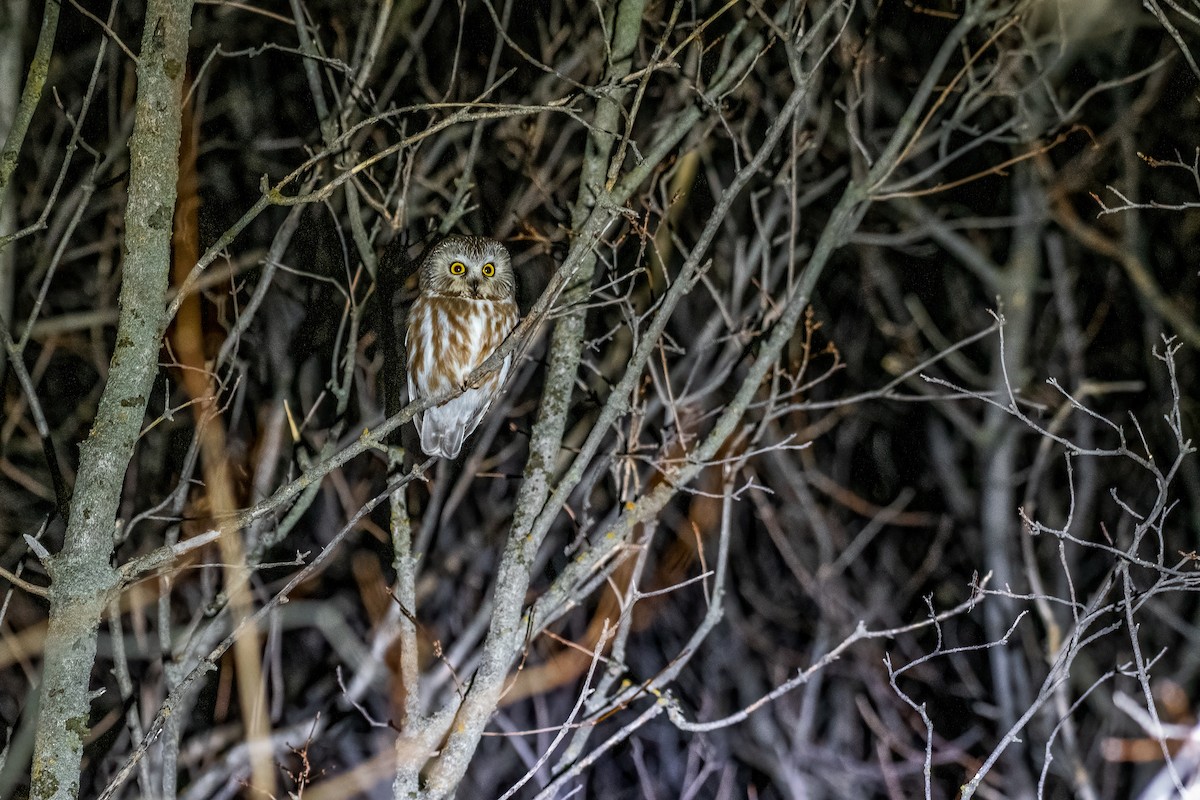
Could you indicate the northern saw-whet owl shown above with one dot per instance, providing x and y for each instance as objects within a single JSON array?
[{"x": 466, "y": 307}]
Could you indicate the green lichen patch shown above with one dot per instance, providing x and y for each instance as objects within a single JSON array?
[
  {"x": 78, "y": 726},
  {"x": 43, "y": 782},
  {"x": 160, "y": 220}
]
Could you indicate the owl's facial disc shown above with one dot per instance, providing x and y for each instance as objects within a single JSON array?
[{"x": 469, "y": 267}]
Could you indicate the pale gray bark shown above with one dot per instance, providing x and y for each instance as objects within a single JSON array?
[{"x": 83, "y": 581}]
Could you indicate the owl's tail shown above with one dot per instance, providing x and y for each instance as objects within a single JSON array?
[
  {"x": 441, "y": 441},
  {"x": 443, "y": 428}
]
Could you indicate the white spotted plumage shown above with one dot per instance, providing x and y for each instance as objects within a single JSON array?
[{"x": 464, "y": 311}]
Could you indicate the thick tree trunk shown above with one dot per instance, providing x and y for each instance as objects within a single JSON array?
[{"x": 83, "y": 580}]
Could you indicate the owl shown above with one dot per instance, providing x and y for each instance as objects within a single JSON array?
[{"x": 465, "y": 309}]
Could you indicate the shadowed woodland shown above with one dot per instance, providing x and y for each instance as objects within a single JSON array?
[{"x": 847, "y": 450}]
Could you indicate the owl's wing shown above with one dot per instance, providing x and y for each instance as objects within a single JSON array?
[
  {"x": 488, "y": 391},
  {"x": 414, "y": 314},
  {"x": 412, "y": 395}
]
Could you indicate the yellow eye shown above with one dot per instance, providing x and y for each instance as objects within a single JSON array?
[
  {"x": 458, "y": 268},
  {"x": 489, "y": 269}
]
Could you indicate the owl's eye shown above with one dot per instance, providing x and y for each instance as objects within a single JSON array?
[
  {"x": 489, "y": 269},
  {"x": 458, "y": 268}
]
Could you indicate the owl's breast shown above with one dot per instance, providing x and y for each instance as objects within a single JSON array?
[{"x": 448, "y": 337}]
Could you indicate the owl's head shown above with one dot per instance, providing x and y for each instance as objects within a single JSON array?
[{"x": 468, "y": 266}]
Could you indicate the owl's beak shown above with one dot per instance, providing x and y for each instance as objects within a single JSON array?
[{"x": 474, "y": 284}]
